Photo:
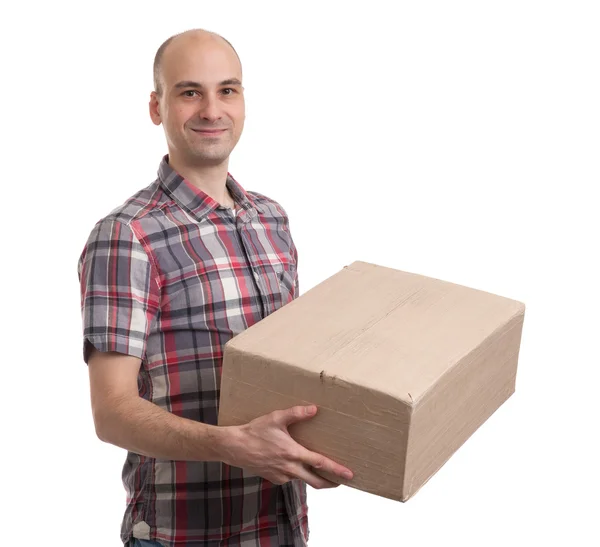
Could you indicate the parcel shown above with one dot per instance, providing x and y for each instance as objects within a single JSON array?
[{"x": 404, "y": 368}]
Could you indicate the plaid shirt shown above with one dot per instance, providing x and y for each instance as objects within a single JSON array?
[{"x": 170, "y": 276}]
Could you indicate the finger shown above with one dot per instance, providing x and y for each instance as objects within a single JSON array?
[
  {"x": 314, "y": 480},
  {"x": 321, "y": 463},
  {"x": 295, "y": 414},
  {"x": 279, "y": 479}
]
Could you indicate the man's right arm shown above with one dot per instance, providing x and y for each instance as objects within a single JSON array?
[
  {"x": 263, "y": 446},
  {"x": 123, "y": 418}
]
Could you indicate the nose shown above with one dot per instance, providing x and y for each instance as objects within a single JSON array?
[{"x": 210, "y": 109}]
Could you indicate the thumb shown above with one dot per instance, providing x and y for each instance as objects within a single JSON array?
[{"x": 298, "y": 414}]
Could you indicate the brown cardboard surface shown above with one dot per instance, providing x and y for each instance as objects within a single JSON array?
[{"x": 403, "y": 367}]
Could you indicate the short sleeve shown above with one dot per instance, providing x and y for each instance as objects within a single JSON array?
[
  {"x": 294, "y": 253},
  {"x": 119, "y": 291}
]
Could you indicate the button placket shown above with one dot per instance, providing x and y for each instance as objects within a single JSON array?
[{"x": 257, "y": 278}]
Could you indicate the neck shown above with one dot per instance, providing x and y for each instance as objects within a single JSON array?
[{"x": 210, "y": 179}]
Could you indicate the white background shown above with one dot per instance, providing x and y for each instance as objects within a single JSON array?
[{"x": 457, "y": 140}]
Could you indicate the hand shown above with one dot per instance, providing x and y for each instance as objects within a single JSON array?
[{"x": 265, "y": 448}]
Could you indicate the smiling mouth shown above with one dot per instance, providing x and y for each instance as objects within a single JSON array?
[{"x": 209, "y": 131}]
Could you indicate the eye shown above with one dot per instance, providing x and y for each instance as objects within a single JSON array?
[
  {"x": 230, "y": 89},
  {"x": 186, "y": 93}
]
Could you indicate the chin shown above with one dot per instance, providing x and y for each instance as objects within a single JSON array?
[{"x": 209, "y": 159}]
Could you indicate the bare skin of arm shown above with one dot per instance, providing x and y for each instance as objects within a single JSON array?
[{"x": 262, "y": 447}]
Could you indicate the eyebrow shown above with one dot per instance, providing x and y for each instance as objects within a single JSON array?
[{"x": 189, "y": 83}]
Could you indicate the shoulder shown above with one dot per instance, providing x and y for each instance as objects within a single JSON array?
[
  {"x": 116, "y": 230},
  {"x": 144, "y": 203},
  {"x": 268, "y": 205}
]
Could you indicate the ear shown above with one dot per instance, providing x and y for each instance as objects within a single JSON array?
[{"x": 154, "y": 108}]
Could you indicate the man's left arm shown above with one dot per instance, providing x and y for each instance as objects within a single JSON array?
[{"x": 294, "y": 253}]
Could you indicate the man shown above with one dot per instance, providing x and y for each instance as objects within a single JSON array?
[{"x": 166, "y": 280}]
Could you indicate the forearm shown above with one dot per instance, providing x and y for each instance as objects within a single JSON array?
[{"x": 144, "y": 428}]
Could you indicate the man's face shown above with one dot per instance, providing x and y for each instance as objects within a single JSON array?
[{"x": 201, "y": 105}]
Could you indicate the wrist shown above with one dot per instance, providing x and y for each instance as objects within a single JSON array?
[{"x": 222, "y": 441}]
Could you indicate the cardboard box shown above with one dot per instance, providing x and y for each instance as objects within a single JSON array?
[{"x": 403, "y": 367}]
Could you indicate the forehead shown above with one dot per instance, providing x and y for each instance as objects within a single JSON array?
[{"x": 206, "y": 60}]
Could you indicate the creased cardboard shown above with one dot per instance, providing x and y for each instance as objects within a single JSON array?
[{"x": 403, "y": 367}]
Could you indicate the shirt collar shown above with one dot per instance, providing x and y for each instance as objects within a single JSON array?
[{"x": 197, "y": 202}]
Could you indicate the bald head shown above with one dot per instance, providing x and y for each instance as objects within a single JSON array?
[
  {"x": 194, "y": 36},
  {"x": 198, "y": 98}
]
